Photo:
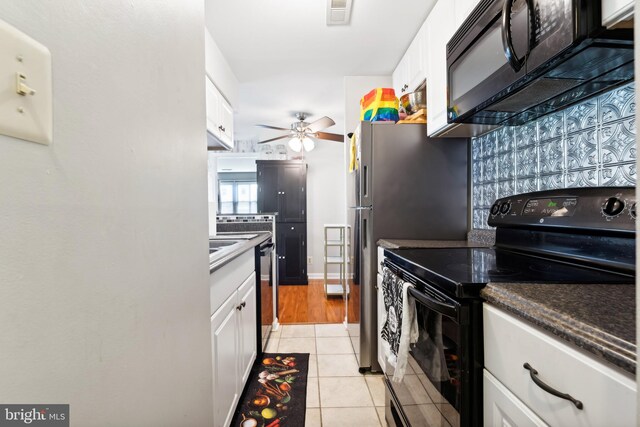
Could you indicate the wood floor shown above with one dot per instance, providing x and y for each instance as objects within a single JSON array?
[{"x": 308, "y": 304}]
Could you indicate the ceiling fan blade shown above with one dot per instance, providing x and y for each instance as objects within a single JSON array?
[
  {"x": 272, "y": 127},
  {"x": 330, "y": 136},
  {"x": 274, "y": 139},
  {"x": 321, "y": 123}
]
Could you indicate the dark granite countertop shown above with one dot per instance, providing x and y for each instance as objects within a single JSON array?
[
  {"x": 406, "y": 244},
  {"x": 600, "y": 319}
]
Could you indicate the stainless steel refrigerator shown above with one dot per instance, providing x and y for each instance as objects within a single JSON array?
[{"x": 406, "y": 186}]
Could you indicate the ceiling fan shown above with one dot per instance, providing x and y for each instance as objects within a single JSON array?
[{"x": 303, "y": 134}]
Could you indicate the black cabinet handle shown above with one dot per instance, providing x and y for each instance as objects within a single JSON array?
[{"x": 550, "y": 389}]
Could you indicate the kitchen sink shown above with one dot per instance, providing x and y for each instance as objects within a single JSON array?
[
  {"x": 233, "y": 236},
  {"x": 219, "y": 244},
  {"x": 217, "y": 247}
]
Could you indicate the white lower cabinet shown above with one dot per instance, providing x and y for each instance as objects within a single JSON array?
[
  {"x": 233, "y": 333},
  {"x": 503, "y": 409},
  {"x": 224, "y": 348},
  {"x": 607, "y": 395},
  {"x": 247, "y": 327}
]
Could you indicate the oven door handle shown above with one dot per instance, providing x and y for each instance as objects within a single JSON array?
[
  {"x": 265, "y": 248},
  {"x": 440, "y": 307}
]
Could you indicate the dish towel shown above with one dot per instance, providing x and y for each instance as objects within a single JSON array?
[
  {"x": 400, "y": 328},
  {"x": 353, "y": 150}
]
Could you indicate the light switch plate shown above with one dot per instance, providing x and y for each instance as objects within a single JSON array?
[{"x": 25, "y": 66}]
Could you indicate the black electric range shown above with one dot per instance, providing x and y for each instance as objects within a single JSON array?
[{"x": 584, "y": 235}]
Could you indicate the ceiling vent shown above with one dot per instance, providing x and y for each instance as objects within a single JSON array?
[{"x": 338, "y": 12}]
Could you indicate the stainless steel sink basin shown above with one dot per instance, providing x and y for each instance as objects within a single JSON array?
[
  {"x": 219, "y": 244},
  {"x": 218, "y": 247},
  {"x": 234, "y": 236}
]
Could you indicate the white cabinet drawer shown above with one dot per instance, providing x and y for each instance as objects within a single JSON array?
[
  {"x": 225, "y": 281},
  {"x": 608, "y": 395},
  {"x": 502, "y": 408}
]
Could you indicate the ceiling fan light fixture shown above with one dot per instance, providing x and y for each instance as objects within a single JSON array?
[
  {"x": 295, "y": 144},
  {"x": 308, "y": 143}
]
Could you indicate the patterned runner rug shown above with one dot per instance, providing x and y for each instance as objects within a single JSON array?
[{"x": 276, "y": 392}]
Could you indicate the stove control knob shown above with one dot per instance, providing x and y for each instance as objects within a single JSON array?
[
  {"x": 613, "y": 206},
  {"x": 632, "y": 211},
  {"x": 505, "y": 208},
  {"x": 495, "y": 209}
]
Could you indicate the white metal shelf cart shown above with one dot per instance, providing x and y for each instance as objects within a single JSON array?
[{"x": 337, "y": 249}]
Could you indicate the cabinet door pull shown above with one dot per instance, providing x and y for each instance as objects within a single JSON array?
[{"x": 550, "y": 389}]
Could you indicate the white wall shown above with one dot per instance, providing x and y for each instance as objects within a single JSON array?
[
  {"x": 325, "y": 199},
  {"x": 355, "y": 87},
  {"x": 103, "y": 249}
]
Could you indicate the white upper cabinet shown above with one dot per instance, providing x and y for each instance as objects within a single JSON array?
[
  {"x": 440, "y": 27},
  {"x": 411, "y": 70},
  {"x": 213, "y": 101},
  {"x": 443, "y": 21},
  {"x": 219, "y": 116},
  {"x": 226, "y": 122},
  {"x": 222, "y": 94},
  {"x": 417, "y": 60},
  {"x": 616, "y": 11},
  {"x": 400, "y": 76}
]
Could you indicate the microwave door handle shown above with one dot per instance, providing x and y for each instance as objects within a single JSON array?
[
  {"x": 507, "y": 42},
  {"x": 435, "y": 305}
]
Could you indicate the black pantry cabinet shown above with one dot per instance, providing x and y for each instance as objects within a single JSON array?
[{"x": 282, "y": 188}]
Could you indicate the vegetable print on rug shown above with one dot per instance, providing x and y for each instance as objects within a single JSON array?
[{"x": 276, "y": 392}]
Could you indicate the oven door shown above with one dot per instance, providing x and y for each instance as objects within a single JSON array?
[
  {"x": 268, "y": 294},
  {"x": 436, "y": 388}
]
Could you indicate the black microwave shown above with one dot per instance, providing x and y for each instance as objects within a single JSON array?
[{"x": 512, "y": 61}]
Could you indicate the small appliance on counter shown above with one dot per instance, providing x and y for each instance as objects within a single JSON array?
[
  {"x": 569, "y": 236},
  {"x": 513, "y": 61},
  {"x": 238, "y": 225}
]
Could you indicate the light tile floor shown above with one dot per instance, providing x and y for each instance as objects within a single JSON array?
[{"x": 337, "y": 394}]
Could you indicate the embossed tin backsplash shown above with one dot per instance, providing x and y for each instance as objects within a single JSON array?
[{"x": 588, "y": 144}]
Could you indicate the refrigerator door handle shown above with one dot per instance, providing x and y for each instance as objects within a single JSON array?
[{"x": 361, "y": 208}]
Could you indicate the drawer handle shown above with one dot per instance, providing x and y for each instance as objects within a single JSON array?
[{"x": 550, "y": 389}]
